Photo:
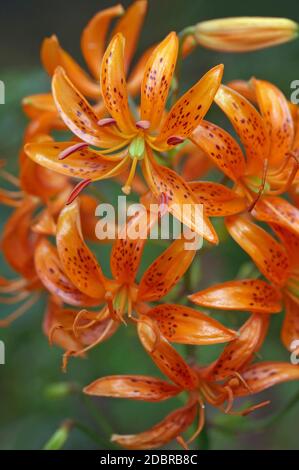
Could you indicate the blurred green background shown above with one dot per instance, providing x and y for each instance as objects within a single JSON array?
[{"x": 28, "y": 415}]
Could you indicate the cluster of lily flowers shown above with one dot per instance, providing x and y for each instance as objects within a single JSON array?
[{"x": 137, "y": 131}]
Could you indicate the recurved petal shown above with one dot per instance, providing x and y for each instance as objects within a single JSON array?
[
  {"x": 35, "y": 104},
  {"x": 77, "y": 260},
  {"x": 276, "y": 210},
  {"x": 269, "y": 255},
  {"x": 93, "y": 39},
  {"x": 18, "y": 242},
  {"x": 260, "y": 376},
  {"x": 157, "y": 79},
  {"x": 191, "y": 108},
  {"x": 247, "y": 122},
  {"x": 165, "y": 356},
  {"x": 51, "y": 274},
  {"x": 290, "y": 327},
  {"x": 291, "y": 243},
  {"x": 162, "y": 433},
  {"x": 134, "y": 387},
  {"x": 165, "y": 271},
  {"x": 221, "y": 147},
  {"x": 241, "y": 351},
  {"x": 181, "y": 200},
  {"x": 78, "y": 115},
  {"x": 252, "y": 295},
  {"x": 83, "y": 163},
  {"x": 245, "y": 89},
  {"x": 277, "y": 116},
  {"x": 218, "y": 200},
  {"x": 114, "y": 86},
  {"x": 53, "y": 56},
  {"x": 181, "y": 324},
  {"x": 130, "y": 26}
]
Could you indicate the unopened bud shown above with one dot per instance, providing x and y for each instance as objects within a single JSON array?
[
  {"x": 242, "y": 34},
  {"x": 59, "y": 438}
]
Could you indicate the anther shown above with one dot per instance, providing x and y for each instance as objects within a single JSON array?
[
  {"x": 143, "y": 124},
  {"x": 106, "y": 122},
  {"x": 72, "y": 149},
  {"x": 175, "y": 140}
]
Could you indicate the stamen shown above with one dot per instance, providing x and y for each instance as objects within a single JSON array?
[
  {"x": 261, "y": 188},
  {"x": 126, "y": 189},
  {"x": 181, "y": 441},
  {"x": 72, "y": 149},
  {"x": 10, "y": 178},
  {"x": 82, "y": 351},
  {"x": 106, "y": 122},
  {"x": 201, "y": 421},
  {"x": 175, "y": 140},
  {"x": 19, "y": 311},
  {"x": 77, "y": 190},
  {"x": 143, "y": 124}
]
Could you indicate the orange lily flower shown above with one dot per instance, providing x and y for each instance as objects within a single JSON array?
[
  {"x": 41, "y": 108},
  {"x": 72, "y": 274},
  {"x": 271, "y": 163},
  {"x": 278, "y": 262},
  {"x": 135, "y": 140},
  {"x": 231, "y": 375}
]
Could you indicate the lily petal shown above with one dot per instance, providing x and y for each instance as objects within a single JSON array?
[
  {"x": 83, "y": 164},
  {"x": 51, "y": 274},
  {"x": 114, "y": 86},
  {"x": 157, "y": 79},
  {"x": 252, "y": 295},
  {"x": 94, "y": 35},
  {"x": 35, "y": 104},
  {"x": 76, "y": 258},
  {"x": 78, "y": 115},
  {"x": 18, "y": 242},
  {"x": 136, "y": 76},
  {"x": 181, "y": 324},
  {"x": 269, "y": 256},
  {"x": 191, "y": 108},
  {"x": 223, "y": 149},
  {"x": 247, "y": 122},
  {"x": 277, "y": 116},
  {"x": 218, "y": 200},
  {"x": 171, "y": 427},
  {"x": 165, "y": 356},
  {"x": 53, "y": 56},
  {"x": 134, "y": 387},
  {"x": 276, "y": 210},
  {"x": 291, "y": 243},
  {"x": 127, "y": 250},
  {"x": 263, "y": 375},
  {"x": 130, "y": 26},
  {"x": 290, "y": 327},
  {"x": 166, "y": 271},
  {"x": 179, "y": 197},
  {"x": 241, "y": 351}
]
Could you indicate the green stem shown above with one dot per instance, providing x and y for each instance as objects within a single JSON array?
[
  {"x": 91, "y": 434},
  {"x": 97, "y": 416}
]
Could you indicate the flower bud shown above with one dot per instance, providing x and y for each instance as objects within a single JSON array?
[
  {"x": 242, "y": 34},
  {"x": 59, "y": 438}
]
